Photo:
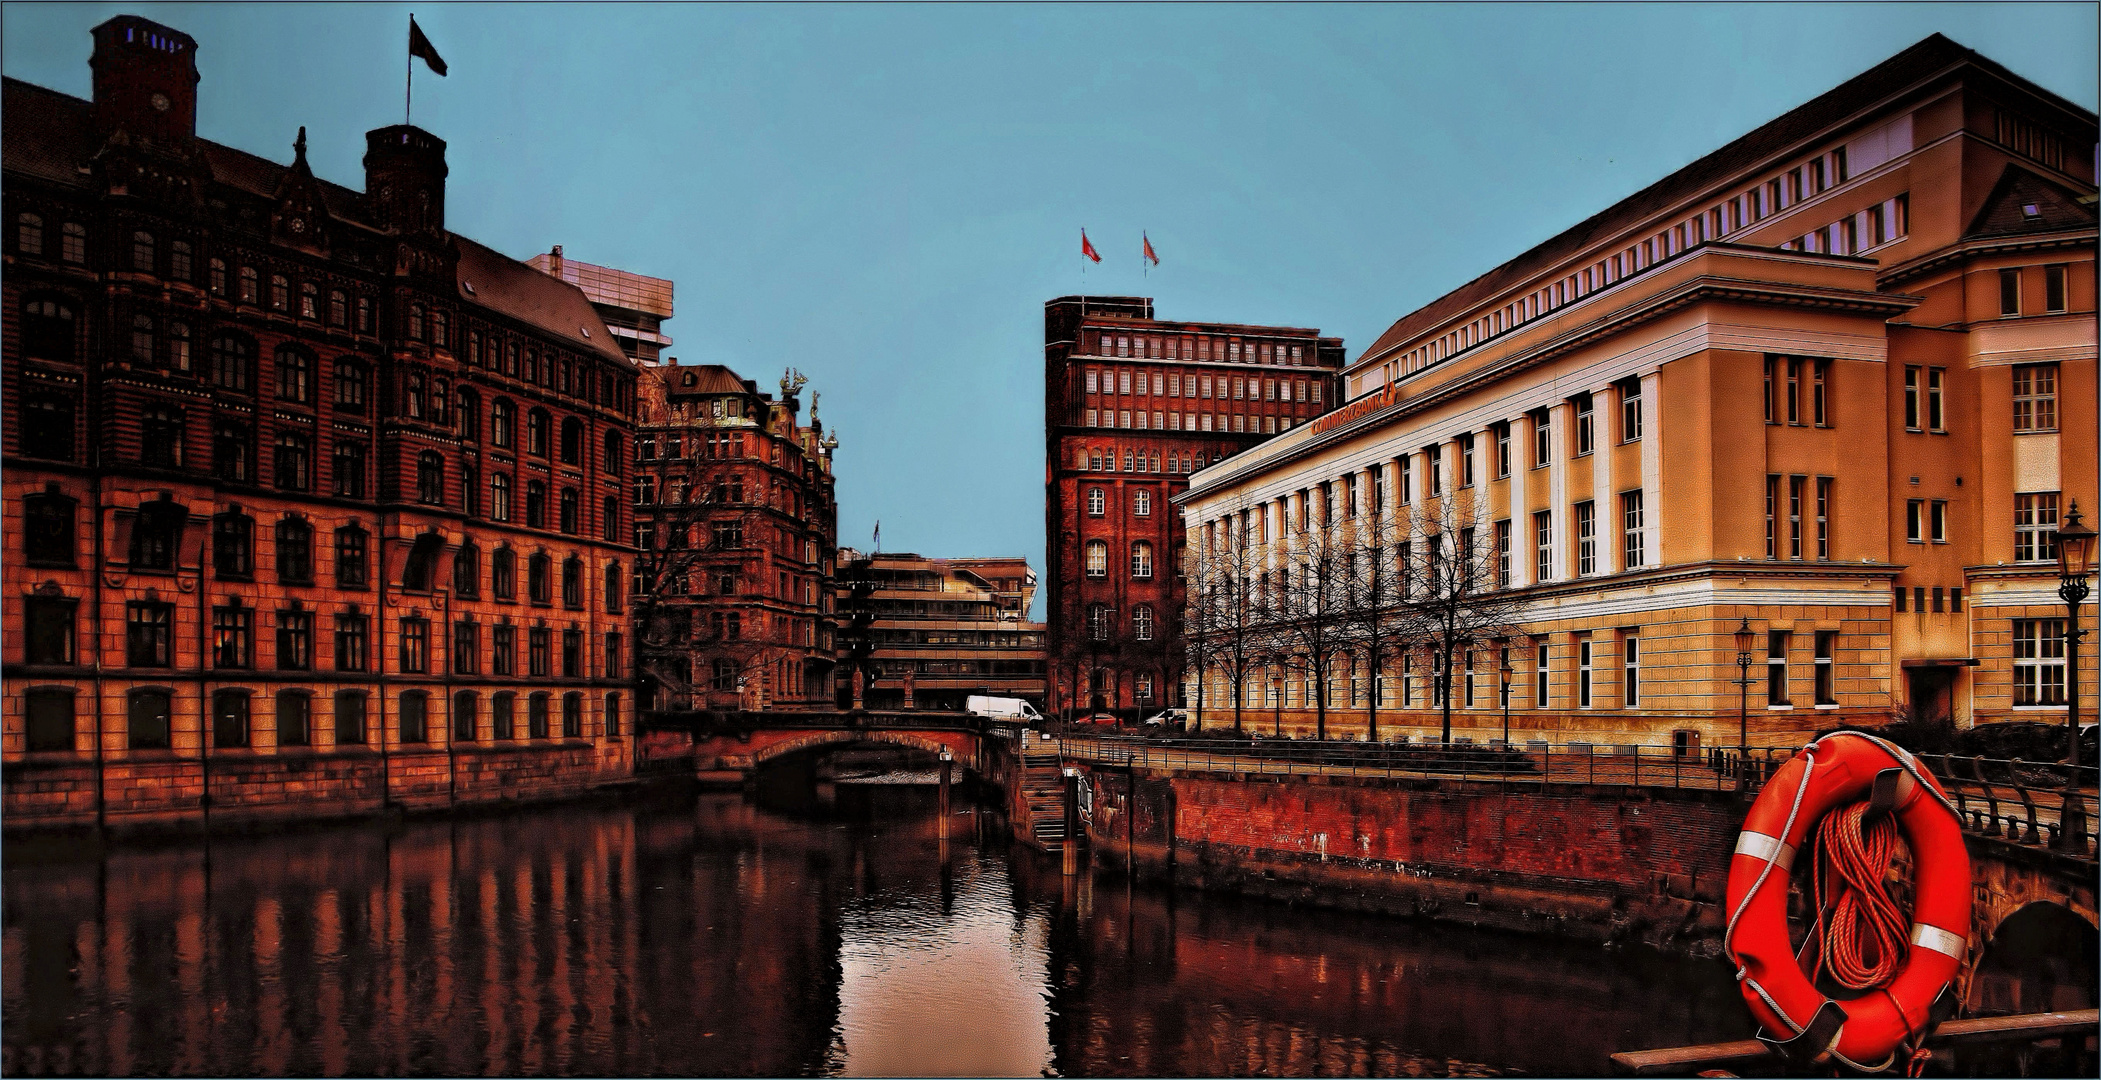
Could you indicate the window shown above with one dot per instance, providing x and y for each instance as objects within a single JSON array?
[
  {"x": 535, "y": 504},
  {"x": 500, "y": 497},
  {"x": 350, "y": 642},
  {"x": 1586, "y": 538},
  {"x": 233, "y": 637},
  {"x": 1433, "y": 469},
  {"x": 503, "y": 709},
  {"x": 612, "y": 701},
  {"x": 178, "y": 346},
  {"x": 1915, "y": 521},
  {"x": 2054, "y": 288},
  {"x": 295, "y": 725},
  {"x": 1585, "y": 438},
  {"x": 1826, "y": 675},
  {"x": 338, "y": 308},
  {"x": 2035, "y": 527},
  {"x": 232, "y": 360},
  {"x": 29, "y": 236},
  {"x": 1407, "y": 482},
  {"x": 1543, "y": 545},
  {"x": 1776, "y": 643},
  {"x": 1823, "y": 517},
  {"x": 295, "y": 552},
  {"x": 415, "y": 716},
  {"x": 503, "y": 574},
  {"x": 233, "y": 545},
  {"x": 48, "y": 330},
  {"x": 1633, "y": 554},
  {"x": 613, "y": 453},
  {"x": 1141, "y": 560},
  {"x": 415, "y": 645},
  {"x": 142, "y": 339},
  {"x": 48, "y": 638},
  {"x": 1796, "y": 487},
  {"x": 500, "y": 423},
  {"x": 536, "y": 425},
  {"x": 466, "y": 648},
  {"x": 280, "y": 293},
  {"x": 536, "y": 651},
  {"x": 503, "y": 652},
  {"x": 569, "y": 512},
  {"x": 1539, "y": 672},
  {"x": 1630, "y": 409},
  {"x": 2009, "y": 292},
  {"x": 1542, "y": 438},
  {"x": 466, "y": 718},
  {"x": 572, "y": 441},
  {"x": 295, "y": 640},
  {"x": 215, "y": 277},
  {"x": 48, "y": 528},
  {"x": 73, "y": 243},
  {"x": 1772, "y": 521},
  {"x": 1466, "y": 460},
  {"x": 1936, "y": 416},
  {"x": 295, "y": 461},
  {"x": 1098, "y": 622},
  {"x": 1502, "y": 539},
  {"x": 350, "y": 387},
  {"x": 1819, "y": 399},
  {"x": 539, "y": 586},
  {"x": 154, "y": 535},
  {"x": 350, "y": 718},
  {"x": 2035, "y": 397},
  {"x": 232, "y": 453},
  {"x": 229, "y": 719},
  {"x": 142, "y": 252},
  {"x": 47, "y": 428},
  {"x": 2038, "y": 661},
  {"x": 1141, "y": 503},
  {"x": 295, "y": 375},
  {"x": 1939, "y": 517},
  {"x": 414, "y": 395},
  {"x": 572, "y": 654},
  {"x": 1583, "y": 672},
  {"x": 572, "y": 715},
  {"x": 147, "y": 719},
  {"x": 48, "y": 719},
  {"x": 1097, "y": 558},
  {"x": 1096, "y": 502},
  {"x": 1630, "y": 657},
  {"x": 573, "y": 583},
  {"x": 352, "y": 568}
]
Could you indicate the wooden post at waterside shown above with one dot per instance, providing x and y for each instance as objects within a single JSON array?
[{"x": 1072, "y": 821}]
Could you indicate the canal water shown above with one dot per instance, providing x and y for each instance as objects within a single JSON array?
[{"x": 712, "y": 935}]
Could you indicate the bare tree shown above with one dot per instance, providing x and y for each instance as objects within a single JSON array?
[
  {"x": 1380, "y": 621},
  {"x": 1453, "y": 574},
  {"x": 686, "y": 539},
  {"x": 1317, "y": 596},
  {"x": 1220, "y": 603}
]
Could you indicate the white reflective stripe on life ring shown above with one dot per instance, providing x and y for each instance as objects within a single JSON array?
[
  {"x": 1928, "y": 936},
  {"x": 1758, "y": 845}
]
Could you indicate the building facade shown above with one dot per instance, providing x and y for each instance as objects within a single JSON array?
[
  {"x": 928, "y": 633},
  {"x": 312, "y": 506},
  {"x": 1133, "y": 406},
  {"x": 633, "y": 306},
  {"x": 1834, "y": 381},
  {"x": 736, "y": 525}
]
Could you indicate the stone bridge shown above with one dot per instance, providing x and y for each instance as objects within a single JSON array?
[{"x": 735, "y": 752}]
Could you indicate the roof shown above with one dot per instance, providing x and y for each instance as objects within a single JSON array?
[
  {"x": 605, "y": 285},
  {"x": 51, "y": 136},
  {"x": 1899, "y": 72},
  {"x": 707, "y": 379},
  {"x": 2007, "y": 210}
]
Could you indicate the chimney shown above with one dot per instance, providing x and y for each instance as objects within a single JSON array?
[
  {"x": 554, "y": 262},
  {"x": 145, "y": 79},
  {"x": 405, "y": 178}
]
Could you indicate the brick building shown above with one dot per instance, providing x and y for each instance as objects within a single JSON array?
[
  {"x": 736, "y": 522},
  {"x": 1132, "y": 406},
  {"x": 311, "y": 505},
  {"x": 928, "y": 633},
  {"x": 1833, "y": 382}
]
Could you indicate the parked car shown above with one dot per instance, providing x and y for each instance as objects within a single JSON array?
[{"x": 1169, "y": 720}]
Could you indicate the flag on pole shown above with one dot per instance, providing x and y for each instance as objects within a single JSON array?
[
  {"x": 1150, "y": 257},
  {"x": 1087, "y": 249},
  {"x": 879, "y": 534},
  {"x": 421, "y": 46}
]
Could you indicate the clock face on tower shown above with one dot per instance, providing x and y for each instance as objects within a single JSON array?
[
  {"x": 160, "y": 103},
  {"x": 298, "y": 224}
]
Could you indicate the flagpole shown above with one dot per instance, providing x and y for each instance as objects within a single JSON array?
[{"x": 408, "y": 96}]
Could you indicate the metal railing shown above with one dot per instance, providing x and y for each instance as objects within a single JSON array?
[{"x": 2038, "y": 797}]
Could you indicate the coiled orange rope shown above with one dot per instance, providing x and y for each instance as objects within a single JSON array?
[{"x": 1853, "y": 858}]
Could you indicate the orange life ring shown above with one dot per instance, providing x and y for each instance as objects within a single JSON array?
[{"x": 1829, "y": 773}]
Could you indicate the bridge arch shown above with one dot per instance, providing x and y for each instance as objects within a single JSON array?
[
  {"x": 961, "y": 745},
  {"x": 2039, "y": 958}
]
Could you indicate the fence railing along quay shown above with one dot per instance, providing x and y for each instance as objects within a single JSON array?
[{"x": 2015, "y": 801}]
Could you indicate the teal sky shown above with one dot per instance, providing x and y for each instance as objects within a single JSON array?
[{"x": 884, "y": 196}]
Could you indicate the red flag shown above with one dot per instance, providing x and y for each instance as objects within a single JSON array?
[
  {"x": 1087, "y": 249},
  {"x": 1149, "y": 249}
]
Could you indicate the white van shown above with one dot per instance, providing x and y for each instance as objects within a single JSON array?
[{"x": 1001, "y": 708}]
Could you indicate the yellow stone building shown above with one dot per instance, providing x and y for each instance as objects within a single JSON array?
[{"x": 1836, "y": 379}]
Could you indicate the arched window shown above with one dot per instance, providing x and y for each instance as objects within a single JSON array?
[
  {"x": 414, "y": 327},
  {"x": 248, "y": 292},
  {"x": 295, "y": 718},
  {"x": 160, "y": 436},
  {"x": 233, "y": 454},
  {"x": 1142, "y": 559},
  {"x": 295, "y": 552},
  {"x": 430, "y": 478},
  {"x": 572, "y": 441},
  {"x": 466, "y": 718},
  {"x": 73, "y": 243},
  {"x": 29, "y": 234},
  {"x": 415, "y": 716},
  {"x": 156, "y": 535},
  {"x": 1097, "y": 502},
  {"x": 1141, "y": 503},
  {"x": 350, "y": 386},
  {"x": 280, "y": 292},
  {"x": 470, "y": 490},
  {"x": 50, "y": 528},
  {"x": 295, "y": 374},
  {"x": 1098, "y": 622},
  {"x": 538, "y": 586},
  {"x": 1142, "y": 622},
  {"x": 233, "y": 360},
  {"x": 612, "y": 588},
  {"x": 147, "y": 718},
  {"x": 440, "y": 328},
  {"x": 233, "y": 544},
  {"x": 47, "y": 427},
  {"x": 536, "y": 715},
  {"x": 572, "y": 715},
  {"x": 466, "y": 571},
  {"x": 500, "y": 497},
  {"x": 142, "y": 339},
  {"x": 412, "y": 394},
  {"x": 610, "y": 523},
  {"x": 142, "y": 252},
  {"x": 215, "y": 276},
  {"x": 352, "y": 557},
  {"x": 47, "y": 330},
  {"x": 309, "y": 300},
  {"x": 503, "y": 709},
  {"x": 422, "y": 563},
  {"x": 536, "y": 425},
  {"x": 350, "y": 469},
  {"x": 295, "y": 460},
  {"x": 503, "y": 574},
  {"x": 500, "y": 423},
  {"x": 472, "y": 354},
  {"x": 338, "y": 308},
  {"x": 178, "y": 346},
  {"x": 470, "y": 415},
  {"x": 570, "y": 511},
  {"x": 535, "y": 504},
  {"x": 1097, "y": 558},
  {"x": 573, "y": 583},
  {"x": 613, "y": 453},
  {"x": 179, "y": 260}
]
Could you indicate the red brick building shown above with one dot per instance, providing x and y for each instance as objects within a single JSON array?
[
  {"x": 1132, "y": 406},
  {"x": 312, "y": 506},
  {"x": 736, "y": 526}
]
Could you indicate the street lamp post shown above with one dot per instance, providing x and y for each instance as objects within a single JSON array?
[
  {"x": 1504, "y": 671},
  {"x": 1744, "y": 638},
  {"x": 2075, "y": 560}
]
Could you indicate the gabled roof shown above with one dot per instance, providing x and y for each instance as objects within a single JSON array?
[
  {"x": 2006, "y": 211},
  {"x": 509, "y": 287},
  {"x": 707, "y": 379},
  {"x": 1899, "y": 72}
]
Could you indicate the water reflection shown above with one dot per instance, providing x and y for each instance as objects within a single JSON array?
[{"x": 712, "y": 936}]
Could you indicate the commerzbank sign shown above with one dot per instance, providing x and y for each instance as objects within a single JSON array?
[{"x": 1356, "y": 410}]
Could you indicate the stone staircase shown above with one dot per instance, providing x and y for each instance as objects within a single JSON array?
[{"x": 1043, "y": 790}]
